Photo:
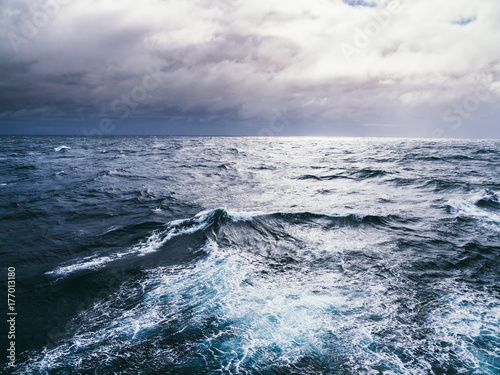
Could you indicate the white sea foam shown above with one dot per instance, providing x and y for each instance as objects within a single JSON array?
[
  {"x": 306, "y": 311},
  {"x": 244, "y": 216},
  {"x": 85, "y": 264},
  {"x": 464, "y": 318},
  {"x": 468, "y": 208},
  {"x": 157, "y": 239},
  {"x": 152, "y": 244},
  {"x": 61, "y": 148},
  {"x": 244, "y": 306}
]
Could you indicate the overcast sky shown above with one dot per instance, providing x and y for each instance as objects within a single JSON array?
[{"x": 426, "y": 68}]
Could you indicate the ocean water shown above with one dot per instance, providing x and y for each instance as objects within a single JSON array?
[{"x": 184, "y": 255}]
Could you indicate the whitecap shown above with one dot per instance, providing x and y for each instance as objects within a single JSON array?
[
  {"x": 152, "y": 244},
  {"x": 468, "y": 208},
  {"x": 60, "y": 148}
]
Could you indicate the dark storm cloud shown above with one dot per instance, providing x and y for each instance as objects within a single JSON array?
[{"x": 230, "y": 66}]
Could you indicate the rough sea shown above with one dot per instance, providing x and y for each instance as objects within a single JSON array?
[{"x": 199, "y": 255}]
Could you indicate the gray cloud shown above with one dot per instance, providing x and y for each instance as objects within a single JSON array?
[{"x": 340, "y": 68}]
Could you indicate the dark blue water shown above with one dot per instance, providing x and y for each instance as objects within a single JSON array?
[{"x": 252, "y": 255}]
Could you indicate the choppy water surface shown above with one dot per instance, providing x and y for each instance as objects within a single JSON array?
[{"x": 253, "y": 256}]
